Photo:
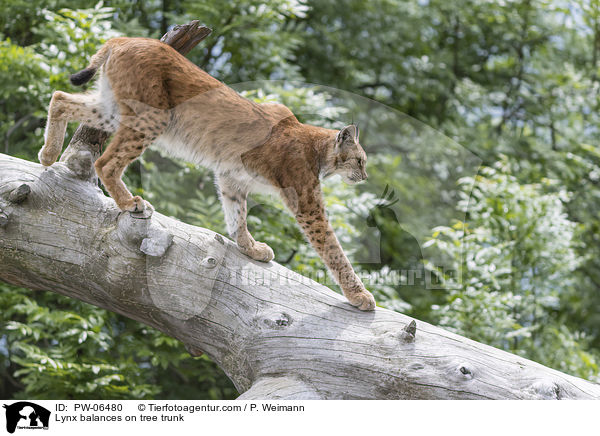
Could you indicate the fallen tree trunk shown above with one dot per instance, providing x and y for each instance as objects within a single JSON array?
[{"x": 273, "y": 332}]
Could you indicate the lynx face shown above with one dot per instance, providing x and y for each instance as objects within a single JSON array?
[{"x": 350, "y": 158}]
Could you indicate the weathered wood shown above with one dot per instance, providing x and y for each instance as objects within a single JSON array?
[
  {"x": 185, "y": 37},
  {"x": 275, "y": 333}
]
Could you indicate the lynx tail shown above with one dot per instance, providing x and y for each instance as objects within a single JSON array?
[{"x": 96, "y": 62}]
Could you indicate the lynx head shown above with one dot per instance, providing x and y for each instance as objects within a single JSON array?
[{"x": 348, "y": 158}]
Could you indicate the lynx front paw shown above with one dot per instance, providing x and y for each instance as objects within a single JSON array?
[
  {"x": 136, "y": 205},
  {"x": 362, "y": 299},
  {"x": 259, "y": 251}
]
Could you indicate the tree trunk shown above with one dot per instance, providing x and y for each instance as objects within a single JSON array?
[{"x": 275, "y": 333}]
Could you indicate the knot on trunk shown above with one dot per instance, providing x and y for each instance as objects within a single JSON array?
[
  {"x": 3, "y": 218},
  {"x": 547, "y": 390},
  {"x": 193, "y": 350},
  {"x": 209, "y": 262},
  {"x": 409, "y": 332},
  {"x": 277, "y": 321},
  {"x": 81, "y": 164},
  {"x": 19, "y": 194},
  {"x": 466, "y": 372},
  {"x": 141, "y": 232}
]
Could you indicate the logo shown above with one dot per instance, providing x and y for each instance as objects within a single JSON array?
[{"x": 26, "y": 415}]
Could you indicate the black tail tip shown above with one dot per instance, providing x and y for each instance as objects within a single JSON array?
[{"x": 82, "y": 76}]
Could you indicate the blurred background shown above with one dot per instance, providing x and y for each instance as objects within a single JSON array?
[{"x": 480, "y": 119}]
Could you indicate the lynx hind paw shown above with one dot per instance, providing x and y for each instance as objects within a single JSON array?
[
  {"x": 363, "y": 300},
  {"x": 138, "y": 205},
  {"x": 259, "y": 251},
  {"x": 44, "y": 159}
]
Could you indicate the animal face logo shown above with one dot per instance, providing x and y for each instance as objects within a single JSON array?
[
  {"x": 393, "y": 235},
  {"x": 26, "y": 415},
  {"x": 383, "y": 208}
]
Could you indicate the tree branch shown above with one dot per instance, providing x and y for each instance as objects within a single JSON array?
[{"x": 185, "y": 37}]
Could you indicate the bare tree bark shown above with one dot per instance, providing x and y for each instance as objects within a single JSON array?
[{"x": 275, "y": 333}]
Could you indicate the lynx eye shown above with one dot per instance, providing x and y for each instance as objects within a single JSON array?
[{"x": 360, "y": 162}]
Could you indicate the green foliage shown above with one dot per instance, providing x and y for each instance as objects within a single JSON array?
[
  {"x": 510, "y": 268},
  {"x": 21, "y": 98},
  {"x": 252, "y": 39},
  {"x": 59, "y": 347}
]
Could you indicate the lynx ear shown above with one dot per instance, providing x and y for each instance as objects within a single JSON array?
[{"x": 347, "y": 136}]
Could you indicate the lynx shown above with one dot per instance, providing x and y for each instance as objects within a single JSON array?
[{"x": 149, "y": 93}]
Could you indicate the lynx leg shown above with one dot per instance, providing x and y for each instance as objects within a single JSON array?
[
  {"x": 234, "y": 207},
  {"x": 56, "y": 127},
  {"x": 136, "y": 132},
  {"x": 125, "y": 147},
  {"x": 66, "y": 107},
  {"x": 307, "y": 205}
]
